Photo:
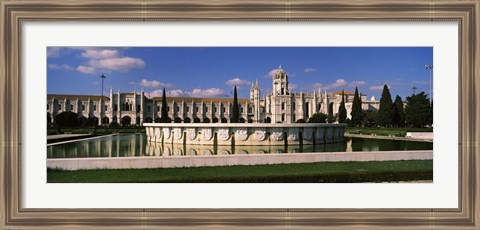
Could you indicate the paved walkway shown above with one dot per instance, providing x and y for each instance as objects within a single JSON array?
[
  {"x": 227, "y": 160},
  {"x": 51, "y": 139},
  {"x": 64, "y": 136},
  {"x": 386, "y": 137}
]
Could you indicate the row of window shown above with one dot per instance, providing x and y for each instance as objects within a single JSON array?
[
  {"x": 129, "y": 107},
  {"x": 71, "y": 107}
]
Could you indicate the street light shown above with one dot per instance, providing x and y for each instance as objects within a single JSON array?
[
  {"x": 101, "y": 100},
  {"x": 430, "y": 67}
]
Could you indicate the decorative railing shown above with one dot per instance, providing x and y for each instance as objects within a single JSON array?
[{"x": 244, "y": 133}]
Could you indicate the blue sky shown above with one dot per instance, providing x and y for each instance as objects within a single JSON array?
[{"x": 212, "y": 71}]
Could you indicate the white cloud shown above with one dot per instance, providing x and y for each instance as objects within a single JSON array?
[
  {"x": 96, "y": 83},
  {"x": 86, "y": 69},
  {"x": 314, "y": 86},
  {"x": 121, "y": 64},
  {"x": 100, "y": 53},
  {"x": 292, "y": 86},
  {"x": 153, "y": 84},
  {"x": 271, "y": 74},
  {"x": 377, "y": 87},
  {"x": 108, "y": 59},
  {"x": 237, "y": 81},
  {"x": 177, "y": 93},
  {"x": 309, "y": 70},
  {"x": 356, "y": 83},
  {"x": 338, "y": 83},
  {"x": 58, "y": 67},
  {"x": 53, "y": 52},
  {"x": 212, "y": 92},
  {"x": 169, "y": 93}
]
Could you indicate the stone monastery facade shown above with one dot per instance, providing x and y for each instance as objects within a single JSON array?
[{"x": 279, "y": 106}]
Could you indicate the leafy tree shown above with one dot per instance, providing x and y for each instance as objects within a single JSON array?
[
  {"x": 92, "y": 121},
  {"x": 318, "y": 118},
  {"x": 164, "y": 113},
  {"x": 342, "y": 111},
  {"x": 356, "y": 109},
  {"x": 399, "y": 116},
  {"x": 301, "y": 120},
  {"x": 349, "y": 122},
  {"x": 126, "y": 120},
  {"x": 330, "y": 117},
  {"x": 430, "y": 120},
  {"x": 235, "y": 108},
  {"x": 386, "y": 111},
  {"x": 113, "y": 124},
  {"x": 67, "y": 119},
  {"x": 418, "y": 112},
  {"x": 370, "y": 118}
]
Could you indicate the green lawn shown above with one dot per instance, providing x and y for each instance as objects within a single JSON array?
[
  {"x": 325, "y": 172},
  {"x": 398, "y": 132}
]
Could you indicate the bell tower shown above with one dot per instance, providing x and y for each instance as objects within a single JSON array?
[{"x": 280, "y": 82}]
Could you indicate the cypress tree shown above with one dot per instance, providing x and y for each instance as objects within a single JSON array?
[
  {"x": 399, "y": 117},
  {"x": 235, "y": 109},
  {"x": 164, "y": 117},
  {"x": 386, "y": 110},
  {"x": 342, "y": 111},
  {"x": 330, "y": 117},
  {"x": 418, "y": 112},
  {"x": 357, "y": 115}
]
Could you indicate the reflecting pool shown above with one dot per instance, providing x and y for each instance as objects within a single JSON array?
[{"x": 136, "y": 145}]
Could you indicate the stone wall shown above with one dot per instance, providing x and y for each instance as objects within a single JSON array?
[{"x": 244, "y": 133}]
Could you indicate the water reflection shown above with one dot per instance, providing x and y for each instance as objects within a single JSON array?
[{"x": 137, "y": 146}]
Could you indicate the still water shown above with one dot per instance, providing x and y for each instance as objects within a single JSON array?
[{"x": 136, "y": 145}]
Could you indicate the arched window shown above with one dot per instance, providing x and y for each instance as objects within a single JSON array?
[
  {"x": 268, "y": 120},
  {"x": 126, "y": 120}
]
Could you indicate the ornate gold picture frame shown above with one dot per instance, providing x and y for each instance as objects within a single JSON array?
[{"x": 15, "y": 13}]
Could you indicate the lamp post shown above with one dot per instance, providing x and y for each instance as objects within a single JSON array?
[
  {"x": 430, "y": 67},
  {"x": 101, "y": 101},
  {"x": 414, "y": 88}
]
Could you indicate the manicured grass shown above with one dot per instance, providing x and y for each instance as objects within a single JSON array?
[
  {"x": 324, "y": 172},
  {"x": 398, "y": 132}
]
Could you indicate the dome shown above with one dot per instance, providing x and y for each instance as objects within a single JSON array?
[{"x": 279, "y": 73}]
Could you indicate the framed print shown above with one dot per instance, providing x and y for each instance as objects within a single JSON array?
[{"x": 148, "y": 101}]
